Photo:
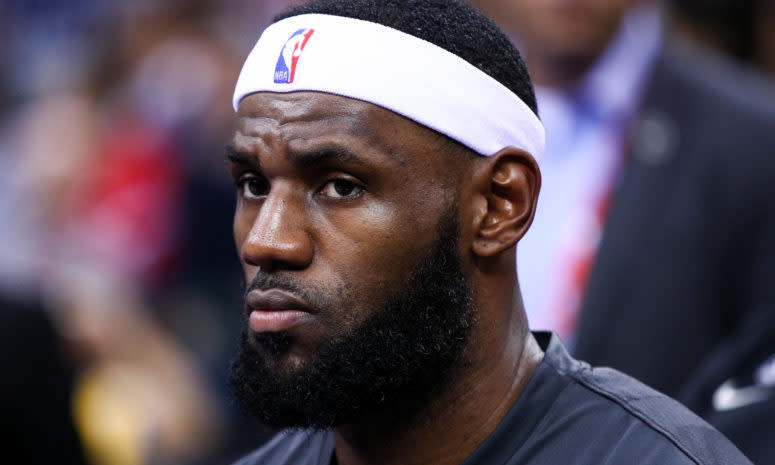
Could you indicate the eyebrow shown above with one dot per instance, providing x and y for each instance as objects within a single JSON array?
[
  {"x": 237, "y": 157},
  {"x": 301, "y": 159},
  {"x": 326, "y": 154}
]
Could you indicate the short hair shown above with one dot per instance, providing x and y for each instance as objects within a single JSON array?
[{"x": 449, "y": 24}]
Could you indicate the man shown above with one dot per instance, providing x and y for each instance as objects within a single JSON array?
[
  {"x": 658, "y": 170},
  {"x": 385, "y": 163}
]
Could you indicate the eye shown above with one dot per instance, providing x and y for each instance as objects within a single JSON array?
[
  {"x": 341, "y": 188},
  {"x": 252, "y": 186}
]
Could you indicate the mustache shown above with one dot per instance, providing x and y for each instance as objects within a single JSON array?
[
  {"x": 308, "y": 293},
  {"x": 264, "y": 281}
]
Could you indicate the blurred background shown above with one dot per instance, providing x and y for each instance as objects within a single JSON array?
[{"x": 120, "y": 289}]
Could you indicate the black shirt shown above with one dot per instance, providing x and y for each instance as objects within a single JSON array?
[{"x": 567, "y": 413}]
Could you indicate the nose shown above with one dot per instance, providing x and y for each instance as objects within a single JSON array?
[{"x": 278, "y": 238}]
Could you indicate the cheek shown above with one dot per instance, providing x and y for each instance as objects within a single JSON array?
[{"x": 374, "y": 248}]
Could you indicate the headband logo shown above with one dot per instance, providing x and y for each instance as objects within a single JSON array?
[{"x": 285, "y": 71}]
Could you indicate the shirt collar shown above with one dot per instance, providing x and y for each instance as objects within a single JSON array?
[{"x": 540, "y": 392}]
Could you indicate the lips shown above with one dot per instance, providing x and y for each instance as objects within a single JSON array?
[{"x": 275, "y": 310}]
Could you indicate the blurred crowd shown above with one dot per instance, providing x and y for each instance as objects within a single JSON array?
[
  {"x": 115, "y": 223},
  {"x": 118, "y": 272}
]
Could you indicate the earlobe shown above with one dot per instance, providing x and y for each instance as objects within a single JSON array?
[{"x": 509, "y": 183}]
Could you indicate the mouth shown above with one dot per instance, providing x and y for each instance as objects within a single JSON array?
[{"x": 274, "y": 310}]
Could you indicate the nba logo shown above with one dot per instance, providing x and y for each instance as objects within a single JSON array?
[{"x": 285, "y": 70}]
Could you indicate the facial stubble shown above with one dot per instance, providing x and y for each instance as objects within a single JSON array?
[{"x": 390, "y": 367}]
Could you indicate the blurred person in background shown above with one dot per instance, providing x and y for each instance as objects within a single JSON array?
[
  {"x": 652, "y": 250},
  {"x": 113, "y": 215},
  {"x": 86, "y": 247}
]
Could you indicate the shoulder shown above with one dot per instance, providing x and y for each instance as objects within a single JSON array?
[
  {"x": 721, "y": 116},
  {"x": 665, "y": 423},
  {"x": 293, "y": 448},
  {"x": 615, "y": 419},
  {"x": 709, "y": 80},
  {"x": 721, "y": 108}
]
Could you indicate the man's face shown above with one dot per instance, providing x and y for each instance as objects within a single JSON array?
[
  {"x": 566, "y": 32},
  {"x": 347, "y": 229}
]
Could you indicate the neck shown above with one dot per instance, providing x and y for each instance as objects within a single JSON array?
[
  {"x": 557, "y": 72},
  {"x": 462, "y": 416}
]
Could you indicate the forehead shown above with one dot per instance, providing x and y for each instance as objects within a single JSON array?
[{"x": 282, "y": 120}]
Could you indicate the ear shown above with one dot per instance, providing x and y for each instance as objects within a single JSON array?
[{"x": 508, "y": 184}]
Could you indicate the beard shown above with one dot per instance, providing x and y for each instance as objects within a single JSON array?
[{"x": 389, "y": 367}]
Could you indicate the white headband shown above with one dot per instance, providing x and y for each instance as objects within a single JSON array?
[{"x": 397, "y": 71}]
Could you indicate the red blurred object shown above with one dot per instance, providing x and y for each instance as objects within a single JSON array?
[{"x": 129, "y": 213}]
